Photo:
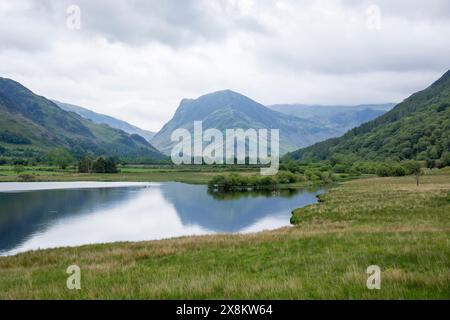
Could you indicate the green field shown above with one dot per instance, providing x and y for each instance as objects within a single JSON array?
[
  {"x": 156, "y": 173},
  {"x": 389, "y": 222},
  {"x": 196, "y": 175}
]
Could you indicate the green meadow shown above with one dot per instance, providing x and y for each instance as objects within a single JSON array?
[{"x": 389, "y": 222}]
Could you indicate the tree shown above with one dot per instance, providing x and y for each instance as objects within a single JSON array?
[
  {"x": 99, "y": 165},
  {"x": 415, "y": 168},
  {"x": 431, "y": 163},
  {"x": 60, "y": 157},
  {"x": 111, "y": 165},
  {"x": 105, "y": 165},
  {"x": 86, "y": 165},
  {"x": 445, "y": 158},
  {"x": 383, "y": 170}
]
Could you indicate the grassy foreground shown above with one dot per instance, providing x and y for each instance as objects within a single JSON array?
[{"x": 388, "y": 222}]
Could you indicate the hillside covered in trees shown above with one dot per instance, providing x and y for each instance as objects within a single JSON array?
[
  {"x": 31, "y": 126},
  {"x": 418, "y": 128}
]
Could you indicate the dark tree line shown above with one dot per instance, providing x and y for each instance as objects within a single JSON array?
[{"x": 100, "y": 165}]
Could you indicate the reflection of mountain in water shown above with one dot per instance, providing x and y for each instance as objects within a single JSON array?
[
  {"x": 25, "y": 213},
  {"x": 27, "y": 216},
  {"x": 231, "y": 212}
]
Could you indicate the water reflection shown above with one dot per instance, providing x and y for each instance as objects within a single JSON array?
[{"x": 53, "y": 218}]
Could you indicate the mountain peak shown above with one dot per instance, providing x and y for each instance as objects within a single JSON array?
[
  {"x": 9, "y": 84},
  {"x": 443, "y": 79},
  {"x": 227, "y": 109},
  {"x": 223, "y": 94},
  {"x": 226, "y": 92}
]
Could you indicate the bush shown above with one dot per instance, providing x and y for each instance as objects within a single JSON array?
[
  {"x": 326, "y": 177},
  {"x": 235, "y": 181},
  {"x": 439, "y": 164},
  {"x": 26, "y": 177},
  {"x": 268, "y": 181},
  {"x": 312, "y": 175},
  {"x": 398, "y": 171},
  {"x": 286, "y": 177},
  {"x": 445, "y": 158},
  {"x": 383, "y": 171},
  {"x": 295, "y": 219},
  {"x": 341, "y": 168}
]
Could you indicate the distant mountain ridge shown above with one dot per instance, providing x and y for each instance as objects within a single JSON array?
[
  {"x": 417, "y": 128},
  {"x": 230, "y": 110},
  {"x": 105, "y": 119},
  {"x": 339, "y": 117},
  {"x": 31, "y": 125}
]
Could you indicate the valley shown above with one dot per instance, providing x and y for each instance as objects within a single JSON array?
[{"x": 378, "y": 195}]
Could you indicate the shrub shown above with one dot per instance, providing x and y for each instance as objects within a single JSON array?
[
  {"x": 326, "y": 177},
  {"x": 26, "y": 177},
  {"x": 383, "y": 171},
  {"x": 445, "y": 158},
  {"x": 340, "y": 168},
  {"x": 268, "y": 181},
  {"x": 295, "y": 219},
  {"x": 286, "y": 177},
  {"x": 398, "y": 171},
  {"x": 312, "y": 175}
]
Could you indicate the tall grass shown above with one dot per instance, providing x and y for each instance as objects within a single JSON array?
[{"x": 388, "y": 222}]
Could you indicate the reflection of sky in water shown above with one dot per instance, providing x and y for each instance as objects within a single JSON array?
[{"x": 70, "y": 217}]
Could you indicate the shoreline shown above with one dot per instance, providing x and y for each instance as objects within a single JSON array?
[{"x": 389, "y": 222}]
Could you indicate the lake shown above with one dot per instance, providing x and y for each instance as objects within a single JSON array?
[{"x": 55, "y": 214}]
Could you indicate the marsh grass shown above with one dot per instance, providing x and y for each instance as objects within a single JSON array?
[{"x": 388, "y": 222}]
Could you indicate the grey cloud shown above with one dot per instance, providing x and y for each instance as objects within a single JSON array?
[
  {"x": 38, "y": 23},
  {"x": 170, "y": 22},
  {"x": 136, "y": 59}
]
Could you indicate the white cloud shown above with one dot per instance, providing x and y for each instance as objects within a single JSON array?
[{"x": 137, "y": 59}]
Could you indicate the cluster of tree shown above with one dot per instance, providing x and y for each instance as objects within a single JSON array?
[
  {"x": 14, "y": 138},
  {"x": 350, "y": 165},
  {"x": 21, "y": 155},
  {"x": 443, "y": 161},
  {"x": 60, "y": 157},
  {"x": 418, "y": 129},
  {"x": 100, "y": 165},
  {"x": 239, "y": 182}
]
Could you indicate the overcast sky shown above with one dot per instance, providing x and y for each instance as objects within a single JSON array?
[{"x": 136, "y": 60}]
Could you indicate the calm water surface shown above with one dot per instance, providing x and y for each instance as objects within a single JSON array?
[{"x": 46, "y": 215}]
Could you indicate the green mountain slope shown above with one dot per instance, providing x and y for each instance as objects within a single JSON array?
[
  {"x": 230, "y": 110},
  {"x": 418, "y": 128},
  {"x": 30, "y": 125},
  {"x": 104, "y": 119}
]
